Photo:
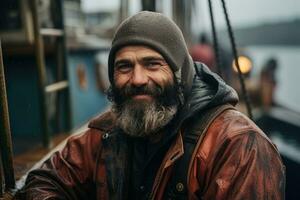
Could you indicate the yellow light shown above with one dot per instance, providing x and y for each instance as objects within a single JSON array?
[{"x": 244, "y": 63}]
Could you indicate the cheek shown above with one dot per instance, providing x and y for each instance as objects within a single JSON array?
[
  {"x": 163, "y": 77},
  {"x": 120, "y": 79}
]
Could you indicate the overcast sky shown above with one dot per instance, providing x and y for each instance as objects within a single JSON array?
[
  {"x": 245, "y": 12},
  {"x": 242, "y": 12},
  {"x": 93, "y": 5}
]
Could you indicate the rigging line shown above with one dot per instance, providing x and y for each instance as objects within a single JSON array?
[
  {"x": 215, "y": 39},
  {"x": 234, "y": 51}
]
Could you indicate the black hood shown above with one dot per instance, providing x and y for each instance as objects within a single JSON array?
[{"x": 208, "y": 90}]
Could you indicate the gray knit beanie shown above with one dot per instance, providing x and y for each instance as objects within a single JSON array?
[{"x": 161, "y": 34}]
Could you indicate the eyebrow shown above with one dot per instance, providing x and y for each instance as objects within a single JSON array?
[
  {"x": 151, "y": 58},
  {"x": 144, "y": 59},
  {"x": 122, "y": 61}
]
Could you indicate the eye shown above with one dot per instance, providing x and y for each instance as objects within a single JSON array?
[
  {"x": 124, "y": 67},
  {"x": 152, "y": 64}
]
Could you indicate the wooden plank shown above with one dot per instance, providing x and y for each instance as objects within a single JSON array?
[
  {"x": 51, "y": 32},
  {"x": 55, "y": 87}
]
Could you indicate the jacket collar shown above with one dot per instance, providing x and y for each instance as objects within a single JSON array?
[{"x": 175, "y": 152}]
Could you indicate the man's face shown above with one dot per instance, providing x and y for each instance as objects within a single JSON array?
[
  {"x": 145, "y": 93},
  {"x": 140, "y": 66}
]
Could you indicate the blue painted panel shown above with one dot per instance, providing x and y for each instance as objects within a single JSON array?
[{"x": 85, "y": 103}]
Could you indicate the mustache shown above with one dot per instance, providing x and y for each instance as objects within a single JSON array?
[
  {"x": 165, "y": 95},
  {"x": 152, "y": 90}
]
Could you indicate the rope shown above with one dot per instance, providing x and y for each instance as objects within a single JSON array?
[
  {"x": 215, "y": 39},
  {"x": 241, "y": 78}
]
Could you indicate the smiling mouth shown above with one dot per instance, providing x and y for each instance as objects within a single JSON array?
[{"x": 142, "y": 97}]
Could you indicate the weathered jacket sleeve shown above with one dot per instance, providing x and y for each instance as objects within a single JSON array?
[
  {"x": 67, "y": 174},
  {"x": 245, "y": 166}
]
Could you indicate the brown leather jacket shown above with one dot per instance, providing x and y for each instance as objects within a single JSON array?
[{"x": 235, "y": 160}]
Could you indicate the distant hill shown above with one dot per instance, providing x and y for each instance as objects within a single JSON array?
[{"x": 280, "y": 33}]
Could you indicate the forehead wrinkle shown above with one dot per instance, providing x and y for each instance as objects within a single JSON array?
[
  {"x": 138, "y": 50},
  {"x": 140, "y": 59},
  {"x": 151, "y": 57},
  {"x": 126, "y": 56}
]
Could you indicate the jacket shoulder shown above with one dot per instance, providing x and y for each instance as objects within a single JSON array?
[
  {"x": 232, "y": 123},
  {"x": 236, "y": 152},
  {"x": 91, "y": 138},
  {"x": 229, "y": 127}
]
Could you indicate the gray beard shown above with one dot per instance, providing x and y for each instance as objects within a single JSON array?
[{"x": 142, "y": 118}]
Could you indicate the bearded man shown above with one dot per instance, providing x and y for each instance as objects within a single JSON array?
[{"x": 172, "y": 131}]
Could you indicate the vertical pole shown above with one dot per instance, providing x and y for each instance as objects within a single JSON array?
[
  {"x": 178, "y": 13},
  {"x": 187, "y": 20},
  {"x": 1, "y": 178},
  {"x": 149, "y": 5},
  {"x": 182, "y": 16},
  {"x": 5, "y": 137},
  {"x": 40, "y": 60},
  {"x": 59, "y": 58},
  {"x": 124, "y": 4},
  {"x": 62, "y": 70}
]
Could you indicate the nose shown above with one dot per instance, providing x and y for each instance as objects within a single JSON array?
[{"x": 139, "y": 76}]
